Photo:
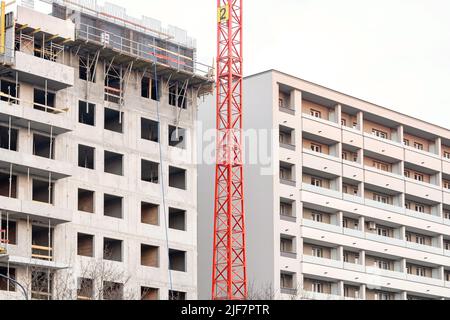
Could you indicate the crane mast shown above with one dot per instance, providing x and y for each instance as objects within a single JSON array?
[{"x": 229, "y": 257}]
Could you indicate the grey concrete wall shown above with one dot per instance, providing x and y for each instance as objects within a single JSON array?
[{"x": 258, "y": 193}]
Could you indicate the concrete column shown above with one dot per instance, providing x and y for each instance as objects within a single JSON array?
[
  {"x": 362, "y": 292},
  {"x": 296, "y": 101},
  {"x": 438, "y": 147},
  {"x": 403, "y": 296},
  {"x": 362, "y": 257},
  {"x": 340, "y": 253},
  {"x": 338, "y": 113},
  {"x": 339, "y": 218},
  {"x": 340, "y": 288},
  {"x": 362, "y": 222},
  {"x": 360, "y": 120},
  {"x": 403, "y": 233},
  {"x": 402, "y": 265},
  {"x": 400, "y": 134}
]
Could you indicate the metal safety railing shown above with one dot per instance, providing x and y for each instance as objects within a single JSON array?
[{"x": 149, "y": 52}]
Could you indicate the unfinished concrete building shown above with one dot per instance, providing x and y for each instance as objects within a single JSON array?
[{"x": 98, "y": 194}]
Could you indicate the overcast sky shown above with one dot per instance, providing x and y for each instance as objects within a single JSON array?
[{"x": 395, "y": 53}]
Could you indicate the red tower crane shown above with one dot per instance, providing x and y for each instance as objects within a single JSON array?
[{"x": 229, "y": 258}]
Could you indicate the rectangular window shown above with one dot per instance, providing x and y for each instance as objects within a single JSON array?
[
  {"x": 381, "y": 166},
  {"x": 381, "y": 198},
  {"x": 113, "y": 163},
  {"x": 316, "y": 182},
  {"x": 317, "y": 252},
  {"x": 86, "y": 113},
  {"x": 317, "y": 287},
  {"x": 344, "y": 122},
  {"x": 177, "y": 260},
  {"x": 317, "y": 217},
  {"x": 446, "y": 155},
  {"x": 177, "y": 219},
  {"x": 177, "y": 178},
  {"x": 112, "y": 206},
  {"x": 420, "y": 240},
  {"x": 149, "y": 171},
  {"x": 280, "y": 103},
  {"x": 86, "y": 200},
  {"x": 86, "y": 157},
  {"x": 407, "y": 174},
  {"x": 112, "y": 249},
  {"x": 406, "y": 142},
  {"x": 6, "y": 284},
  {"x": 177, "y": 137},
  {"x": 43, "y": 146},
  {"x": 150, "y": 88},
  {"x": 149, "y": 130},
  {"x": 316, "y": 148},
  {"x": 446, "y": 184},
  {"x": 379, "y": 134},
  {"x": 420, "y": 208},
  {"x": 344, "y": 155},
  {"x": 418, "y": 176},
  {"x": 8, "y": 138},
  {"x": 86, "y": 69},
  {"x": 113, "y": 120},
  {"x": 44, "y": 101},
  {"x": 418, "y": 146},
  {"x": 149, "y": 256},
  {"x": 85, "y": 245},
  {"x": 150, "y": 213},
  {"x": 316, "y": 114}
]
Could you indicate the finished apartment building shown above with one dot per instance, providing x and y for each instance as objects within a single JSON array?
[
  {"x": 98, "y": 195},
  {"x": 353, "y": 204}
]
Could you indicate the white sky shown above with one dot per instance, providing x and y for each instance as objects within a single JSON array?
[{"x": 395, "y": 53}]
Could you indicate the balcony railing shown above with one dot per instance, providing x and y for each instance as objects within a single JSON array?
[
  {"x": 288, "y": 182},
  {"x": 289, "y": 291},
  {"x": 309, "y": 295},
  {"x": 423, "y": 216},
  {"x": 322, "y": 191},
  {"x": 287, "y": 146},
  {"x": 287, "y": 110},
  {"x": 384, "y": 206},
  {"x": 288, "y": 218},
  {"x": 373, "y": 237},
  {"x": 287, "y": 254},
  {"x": 41, "y": 252},
  {"x": 323, "y": 261}
]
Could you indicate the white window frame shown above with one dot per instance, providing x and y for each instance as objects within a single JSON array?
[
  {"x": 316, "y": 148},
  {"x": 316, "y": 182},
  {"x": 379, "y": 133},
  {"x": 418, "y": 146},
  {"x": 316, "y": 113}
]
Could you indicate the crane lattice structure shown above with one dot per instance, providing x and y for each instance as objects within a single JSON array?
[{"x": 229, "y": 257}]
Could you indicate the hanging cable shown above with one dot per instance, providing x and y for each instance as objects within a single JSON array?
[{"x": 166, "y": 229}]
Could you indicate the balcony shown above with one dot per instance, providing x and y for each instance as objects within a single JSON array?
[
  {"x": 423, "y": 190},
  {"x": 382, "y": 146},
  {"x": 322, "y": 162},
  {"x": 322, "y": 191},
  {"x": 323, "y": 262},
  {"x": 37, "y": 166},
  {"x": 289, "y": 291},
  {"x": 309, "y": 295},
  {"x": 23, "y": 115},
  {"x": 353, "y": 198},
  {"x": 288, "y": 218},
  {"x": 386, "y": 273},
  {"x": 40, "y": 71},
  {"x": 37, "y": 211},
  {"x": 320, "y": 127},
  {"x": 423, "y": 159},
  {"x": 372, "y": 237},
  {"x": 425, "y": 280},
  {"x": 290, "y": 255},
  {"x": 322, "y": 226},
  {"x": 423, "y": 216},
  {"x": 287, "y": 146},
  {"x": 287, "y": 110},
  {"x": 384, "y": 206},
  {"x": 422, "y": 247},
  {"x": 288, "y": 182}
]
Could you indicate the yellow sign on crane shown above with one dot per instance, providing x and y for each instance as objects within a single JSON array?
[
  {"x": 2, "y": 27},
  {"x": 223, "y": 14}
]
